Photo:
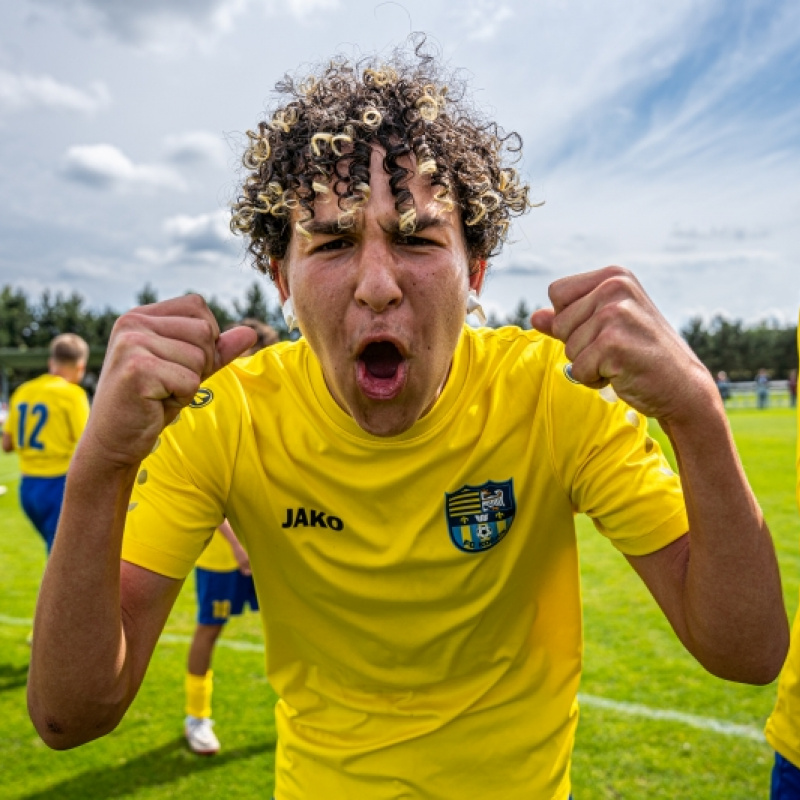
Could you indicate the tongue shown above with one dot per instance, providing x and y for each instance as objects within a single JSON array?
[{"x": 381, "y": 359}]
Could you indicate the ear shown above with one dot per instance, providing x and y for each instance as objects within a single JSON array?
[
  {"x": 477, "y": 273},
  {"x": 276, "y": 267}
]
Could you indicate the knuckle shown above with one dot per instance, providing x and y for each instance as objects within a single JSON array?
[
  {"x": 615, "y": 270},
  {"x": 617, "y": 284},
  {"x": 560, "y": 327},
  {"x": 196, "y": 303},
  {"x": 208, "y": 329}
]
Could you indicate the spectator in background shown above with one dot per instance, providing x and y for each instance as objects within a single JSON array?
[
  {"x": 46, "y": 418},
  {"x": 724, "y": 386},
  {"x": 762, "y": 388},
  {"x": 792, "y": 386},
  {"x": 224, "y": 586},
  {"x": 783, "y": 726}
]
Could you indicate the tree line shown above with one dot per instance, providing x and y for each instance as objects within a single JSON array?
[
  {"x": 740, "y": 350},
  {"x": 722, "y": 344}
]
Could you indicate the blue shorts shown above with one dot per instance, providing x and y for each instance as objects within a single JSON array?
[
  {"x": 41, "y": 500},
  {"x": 785, "y": 780},
  {"x": 223, "y": 594}
]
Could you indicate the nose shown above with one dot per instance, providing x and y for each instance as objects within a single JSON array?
[{"x": 378, "y": 287}]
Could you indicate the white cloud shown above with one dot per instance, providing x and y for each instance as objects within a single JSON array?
[
  {"x": 168, "y": 27},
  {"x": 301, "y": 9},
  {"x": 20, "y": 91},
  {"x": 103, "y": 166},
  {"x": 204, "y": 233},
  {"x": 483, "y": 19},
  {"x": 196, "y": 146}
]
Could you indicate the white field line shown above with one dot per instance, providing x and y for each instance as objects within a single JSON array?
[
  {"x": 586, "y": 700},
  {"x": 691, "y": 720}
]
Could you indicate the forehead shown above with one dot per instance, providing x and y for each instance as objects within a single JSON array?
[{"x": 379, "y": 198}]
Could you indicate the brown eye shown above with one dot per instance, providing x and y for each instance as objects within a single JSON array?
[{"x": 334, "y": 244}]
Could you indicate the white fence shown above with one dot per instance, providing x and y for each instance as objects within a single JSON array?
[{"x": 743, "y": 395}]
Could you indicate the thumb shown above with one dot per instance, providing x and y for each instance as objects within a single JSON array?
[
  {"x": 542, "y": 320},
  {"x": 232, "y": 344}
]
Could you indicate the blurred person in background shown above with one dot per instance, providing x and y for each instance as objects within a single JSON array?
[
  {"x": 762, "y": 388},
  {"x": 724, "y": 386},
  {"x": 46, "y": 418}
]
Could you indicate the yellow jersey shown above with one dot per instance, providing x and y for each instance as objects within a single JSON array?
[
  {"x": 218, "y": 556},
  {"x": 419, "y": 593},
  {"x": 46, "y": 418},
  {"x": 783, "y": 726}
]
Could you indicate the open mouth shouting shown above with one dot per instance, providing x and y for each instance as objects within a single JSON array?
[{"x": 381, "y": 370}]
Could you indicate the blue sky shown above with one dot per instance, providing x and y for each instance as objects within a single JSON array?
[{"x": 663, "y": 136}]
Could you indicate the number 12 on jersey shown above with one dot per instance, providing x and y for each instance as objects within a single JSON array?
[{"x": 38, "y": 414}]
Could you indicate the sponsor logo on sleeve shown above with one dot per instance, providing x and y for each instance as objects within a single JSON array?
[{"x": 202, "y": 398}]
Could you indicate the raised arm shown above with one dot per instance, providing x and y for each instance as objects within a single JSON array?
[
  {"x": 719, "y": 584},
  {"x": 98, "y": 619}
]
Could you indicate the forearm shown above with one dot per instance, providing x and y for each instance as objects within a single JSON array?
[
  {"x": 81, "y": 678},
  {"x": 227, "y": 533},
  {"x": 733, "y": 620}
]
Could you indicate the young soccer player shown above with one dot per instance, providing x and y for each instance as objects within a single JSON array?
[
  {"x": 46, "y": 418},
  {"x": 224, "y": 585},
  {"x": 405, "y": 485},
  {"x": 783, "y": 726}
]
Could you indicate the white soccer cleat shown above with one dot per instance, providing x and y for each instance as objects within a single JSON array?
[{"x": 200, "y": 736}]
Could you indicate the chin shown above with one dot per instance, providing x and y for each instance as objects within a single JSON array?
[{"x": 378, "y": 422}]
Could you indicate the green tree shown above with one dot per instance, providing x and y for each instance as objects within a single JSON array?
[
  {"x": 255, "y": 304},
  {"x": 16, "y": 315},
  {"x": 728, "y": 345},
  {"x": 147, "y": 295},
  {"x": 221, "y": 313},
  {"x": 521, "y": 316}
]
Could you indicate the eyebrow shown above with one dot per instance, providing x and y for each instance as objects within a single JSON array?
[{"x": 331, "y": 227}]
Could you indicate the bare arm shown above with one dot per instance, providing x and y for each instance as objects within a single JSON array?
[
  {"x": 97, "y": 621},
  {"x": 718, "y": 585},
  {"x": 8, "y": 443},
  {"x": 239, "y": 553}
]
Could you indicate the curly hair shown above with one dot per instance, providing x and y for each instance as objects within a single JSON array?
[{"x": 321, "y": 139}]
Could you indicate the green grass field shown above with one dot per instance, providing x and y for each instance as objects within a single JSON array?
[{"x": 653, "y": 723}]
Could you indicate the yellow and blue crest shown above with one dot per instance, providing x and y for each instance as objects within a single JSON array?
[{"x": 479, "y": 517}]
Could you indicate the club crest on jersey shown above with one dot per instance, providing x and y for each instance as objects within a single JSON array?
[
  {"x": 478, "y": 517},
  {"x": 202, "y": 398}
]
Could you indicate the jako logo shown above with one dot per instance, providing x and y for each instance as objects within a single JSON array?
[{"x": 300, "y": 518}]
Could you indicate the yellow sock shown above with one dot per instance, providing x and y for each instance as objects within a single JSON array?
[{"x": 198, "y": 694}]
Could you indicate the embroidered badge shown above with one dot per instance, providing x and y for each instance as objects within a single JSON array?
[
  {"x": 479, "y": 517},
  {"x": 202, "y": 398}
]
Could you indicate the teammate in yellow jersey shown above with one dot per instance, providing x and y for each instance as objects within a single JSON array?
[
  {"x": 783, "y": 726},
  {"x": 46, "y": 418},
  {"x": 404, "y": 485},
  {"x": 224, "y": 586}
]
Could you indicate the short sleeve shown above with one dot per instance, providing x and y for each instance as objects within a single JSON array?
[
  {"x": 181, "y": 490},
  {"x": 610, "y": 467}
]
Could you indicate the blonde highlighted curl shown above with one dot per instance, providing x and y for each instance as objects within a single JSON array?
[{"x": 320, "y": 141}]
